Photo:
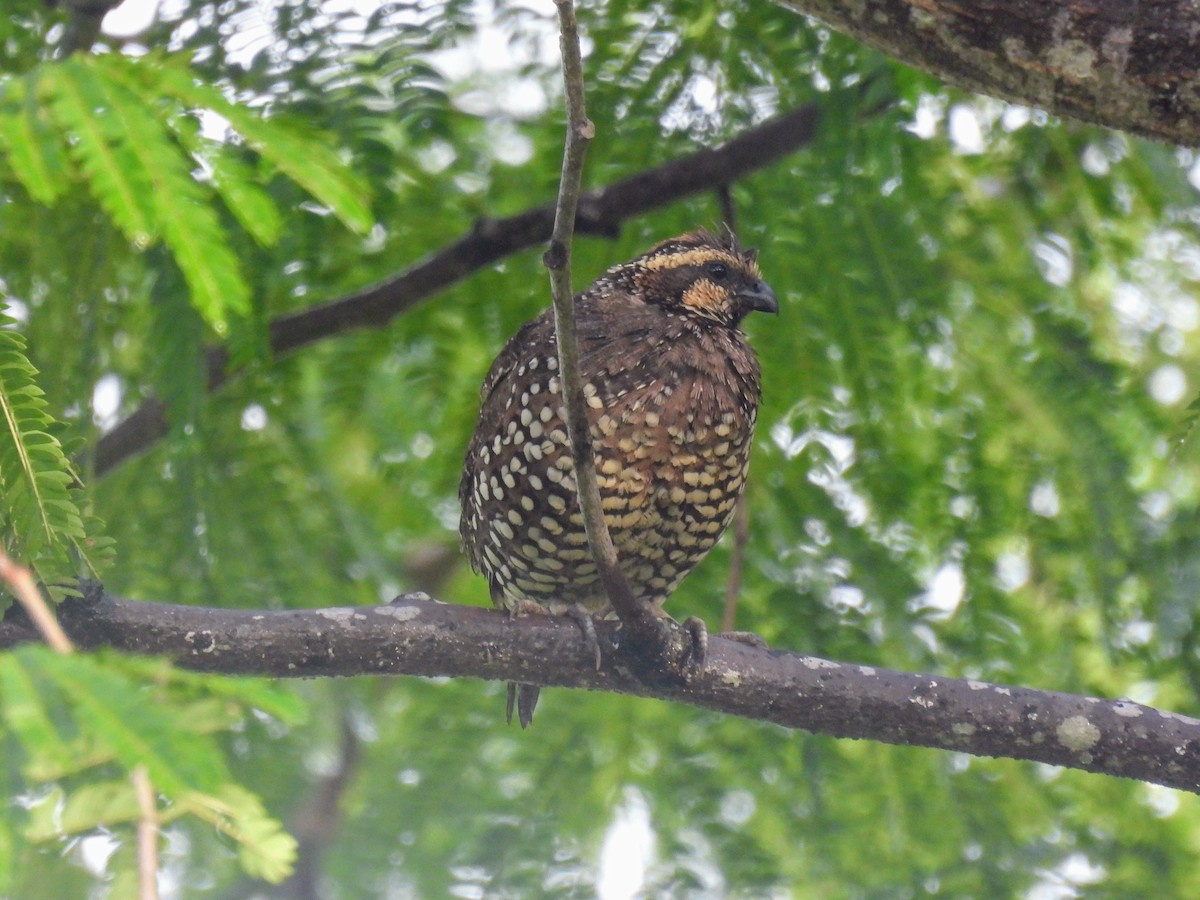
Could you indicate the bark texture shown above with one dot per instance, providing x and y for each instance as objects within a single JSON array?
[
  {"x": 1128, "y": 64},
  {"x": 417, "y": 636}
]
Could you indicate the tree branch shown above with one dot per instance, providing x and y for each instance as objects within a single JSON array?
[
  {"x": 418, "y": 636},
  {"x": 600, "y": 213},
  {"x": 1130, "y": 66}
]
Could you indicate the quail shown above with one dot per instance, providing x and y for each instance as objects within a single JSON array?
[{"x": 672, "y": 389}]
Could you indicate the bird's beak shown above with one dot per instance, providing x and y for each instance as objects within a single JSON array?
[{"x": 760, "y": 298}]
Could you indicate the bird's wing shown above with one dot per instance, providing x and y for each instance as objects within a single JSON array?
[{"x": 517, "y": 349}]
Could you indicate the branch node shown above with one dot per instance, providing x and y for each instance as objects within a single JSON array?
[{"x": 555, "y": 256}]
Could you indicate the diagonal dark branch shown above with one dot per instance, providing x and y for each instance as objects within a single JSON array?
[
  {"x": 417, "y": 636},
  {"x": 600, "y": 213}
]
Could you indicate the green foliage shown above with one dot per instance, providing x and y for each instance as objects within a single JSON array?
[
  {"x": 41, "y": 517},
  {"x": 964, "y": 464},
  {"x": 299, "y": 155},
  {"x": 76, "y": 718},
  {"x": 130, "y": 129}
]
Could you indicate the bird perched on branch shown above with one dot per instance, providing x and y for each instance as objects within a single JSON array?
[{"x": 672, "y": 390}]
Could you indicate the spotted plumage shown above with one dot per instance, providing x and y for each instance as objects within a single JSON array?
[{"x": 672, "y": 389}]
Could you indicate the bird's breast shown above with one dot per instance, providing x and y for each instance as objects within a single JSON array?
[{"x": 671, "y": 422}]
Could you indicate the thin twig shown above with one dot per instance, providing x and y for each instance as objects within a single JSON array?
[
  {"x": 557, "y": 259},
  {"x": 728, "y": 209},
  {"x": 147, "y": 834},
  {"x": 20, "y": 580}
]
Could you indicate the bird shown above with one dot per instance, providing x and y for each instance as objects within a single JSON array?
[{"x": 672, "y": 388}]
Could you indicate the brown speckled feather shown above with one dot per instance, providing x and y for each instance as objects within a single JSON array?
[{"x": 672, "y": 389}]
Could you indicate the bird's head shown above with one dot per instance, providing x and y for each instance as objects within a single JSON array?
[{"x": 704, "y": 275}]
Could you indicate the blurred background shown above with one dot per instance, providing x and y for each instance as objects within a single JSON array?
[{"x": 972, "y": 455}]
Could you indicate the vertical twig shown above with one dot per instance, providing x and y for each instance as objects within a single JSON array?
[
  {"x": 741, "y": 516},
  {"x": 728, "y": 210},
  {"x": 557, "y": 259},
  {"x": 20, "y": 580},
  {"x": 319, "y": 817},
  {"x": 147, "y": 835}
]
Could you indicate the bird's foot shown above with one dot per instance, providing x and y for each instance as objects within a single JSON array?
[
  {"x": 658, "y": 647},
  {"x": 576, "y": 612},
  {"x": 518, "y": 608},
  {"x": 679, "y": 647}
]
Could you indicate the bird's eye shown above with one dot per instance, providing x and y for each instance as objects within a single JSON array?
[{"x": 716, "y": 269}]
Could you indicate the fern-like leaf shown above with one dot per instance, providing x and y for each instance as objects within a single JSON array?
[
  {"x": 34, "y": 150},
  {"x": 125, "y": 124},
  {"x": 38, "y": 510},
  {"x": 115, "y": 710},
  {"x": 181, "y": 207},
  {"x": 28, "y": 716},
  {"x": 187, "y": 221},
  {"x": 102, "y": 803},
  {"x": 307, "y": 161},
  {"x": 108, "y": 158},
  {"x": 265, "y": 850},
  {"x": 236, "y": 182},
  {"x": 137, "y": 712}
]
